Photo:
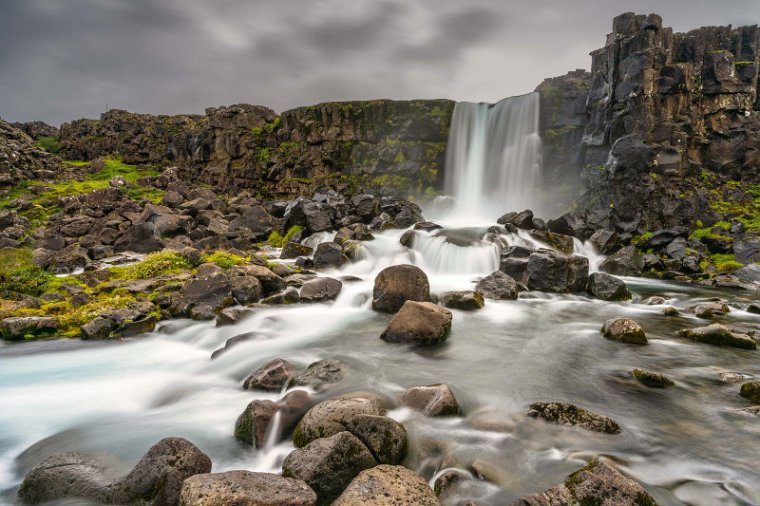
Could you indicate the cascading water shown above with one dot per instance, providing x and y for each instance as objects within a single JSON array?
[{"x": 493, "y": 157}]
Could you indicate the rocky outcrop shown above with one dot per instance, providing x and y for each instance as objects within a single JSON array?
[{"x": 21, "y": 160}]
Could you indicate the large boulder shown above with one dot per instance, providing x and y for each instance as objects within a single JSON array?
[
  {"x": 245, "y": 289},
  {"x": 310, "y": 215},
  {"x": 65, "y": 475},
  {"x": 202, "y": 297},
  {"x": 627, "y": 261},
  {"x": 18, "y": 327},
  {"x": 719, "y": 335},
  {"x": 597, "y": 484},
  {"x": 607, "y": 287},
  {"x": 550, "y": 271},
  {"x": 329, "y": 464},
  {"x": 320, "y": 375},
  {"x": 140, "y": 239},
  {"x": 563, "y": 413},
  {"x": 320, "y": 290},
  {"x": 386, "y": 485},
  {"x": 385, "y": 437},
  {"x": 271, "y": 377},
  {"x": 431, "y": 400},
  {"x": 333, "y": 415},
  {"x": 397, "y": 284},
  {"x": 328, "y": 254},
  {"x": 624, "y": 330},
  {"x": 419, "y": 323},
  {"x": 498, "y": 286},
  {"x": 245, "y": 488}
]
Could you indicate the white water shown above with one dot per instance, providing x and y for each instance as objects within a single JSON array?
[{"x": 493, "y": 158}]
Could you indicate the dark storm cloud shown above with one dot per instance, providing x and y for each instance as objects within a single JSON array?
[{"x": 63, "y": 59}]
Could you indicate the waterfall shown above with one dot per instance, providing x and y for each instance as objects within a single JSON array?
[{"x": 493, "y": 157}]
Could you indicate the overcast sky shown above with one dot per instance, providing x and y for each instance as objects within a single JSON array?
[{"x": 65, "y": 59}]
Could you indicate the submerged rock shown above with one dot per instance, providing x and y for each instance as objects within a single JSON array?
[
  {"x": 397, "y": 284},
  {"x": 320, "y": 375},
  {"x": 271, "y": 377},
  {"x": 652, "y": 379},
  {"x": 419, "y": 323},
  {"x": 431, "y": 400},
  {"x": 751, "y": 391},
  {"x": 465, "y": 300},
  {"x": 709, "y": 310},
  {"x": 624, "y": 330},
  {"x": 719, "y": 335},
  {"x": 607, "y": 287},
  {"x": 333, "y": 415},
  {"x": 245, "y": 488},
  {"x": 329, "y": 464},
  {"x": 596, "y": 484},
  {"x": 498, "y": 286},
  {"x": 564, "y": 413},
  {"x": 386, "y": 485}
]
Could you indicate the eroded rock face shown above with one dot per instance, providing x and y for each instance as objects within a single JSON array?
[
  {"x": 388, "y": 486},
  {"x": 245, "y": 488}
]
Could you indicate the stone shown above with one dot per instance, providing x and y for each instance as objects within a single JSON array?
[
  {"x": 332, "y": 416},
  {"x": 465, "y": 300},
  {"x": 329, "y": 464},
  {"x": 597, "y": 484},
  {"x": 234, "y": 341},
  {"x": 624, "y": 330},
  {"x": 287, "y": 296},
  {"x": 271, "y": 283},
  {"x": 397, "y": 284},
  {"x": 328, "y": 254},
  {"x": 99, "y": 327},
  {"x": 550, "y": 271},
  {"x": 751, "y": 391},
  {"x": 246, "y": 289},
  {"x": 16, "y": 328},
  {"x": 320, "y": 375},
  {"x": 253, "y": 424},
  {"x": 320, "y": 290},
  {"x": 607, "y": 287},
  {"x": 67, "y": 475},
  {"x": 245, "y": 488},
  {"x": 212, "y": 293},
  {"x": 431, "y": 400},
  {"x": 232, "y": 315},
  {"x": 419, "y": 323},
  {"x": 563, "y": 413},
  {"x": 626, "y": 261},
  {"x": 652, "y": 379},
  {"x": 498, "y": 286},
  {"x": 604, "y": 241},
  {"x": 270, "y": 377},
  {"x": 719, "y": 335},
  {"x": 141, "y": 238},
  {"x": 709, "y": 310},
  {"x": 385, "y": 437},
  {"x": 295, "y": 250},
  {"x": 386, "y": 485}
]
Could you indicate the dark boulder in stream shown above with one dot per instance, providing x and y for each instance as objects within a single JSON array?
[
  {"x": 564, "y": 413},
  {"x": 419, "y": 323},
  {"x": 272, "y": 376},
  {"x": 431, "y": 400},
  {"x": 498, "y": 286},
  {"x": 398, "y": 284},
  {"x": 607, "y": 287},
  {"x": 624, "y": 330}
]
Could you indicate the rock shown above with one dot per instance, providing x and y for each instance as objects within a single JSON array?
[
  {"x": 245, "y": 488},
  {"x": 253, "y": 424},
  {"x": 625, "y": 262},
  {"x": 498, "y": 286},
  {"x": 550, "y": 271},
  {"x": 320, "y": 375},
  {"x": 654, "y": 300},
  {"x": 310, "y": 215},
  {"x": 751, "y": 391},
  {"x": 407, "y": 238},
  {"x": 232, "y": 315},
  {"x": 652, "y": 379},
  {"x": 270, "y": 282},
  {"x": 624, "y": 330},
  {"x": 606, "y": 287},
  {"x": 246, "y": 289},
  {"x": 747, "y": 251},
  {"x": 157, "y": 478},
  {"x": 386, "y": 485},
  {"x": 333, "y": 415},
  {"x": 328, "y": 254},
  {"x": 320, "y": 290},
  {"x": 522, "y": 220},
  {"x": 99, "y": 327},
  {"x": 67, "y": 475},
  {"x": 234, "y": 341},
  {"x": 597, "y": 484},
  {"x": 604, "y": 241},
  {"x": 270, "y": 377},
  {"x": 431, "y": 400},
  {"x": 287, "y": 296},
  {"x": 719, "y": 335},
  {"x": 18, "y": 327},
  {"x": 466, "y": 300},
  {"x": 397, "y": 284},
  {"x": 419, "y": 323},
  {"x": 209, "y": 294},
  {"x": 329, "y": 464},
  {"x": 295, "y": 250},
  {"x": 563, "y": 413},
  {"x": 709, "y": 310},
  {"x": 385, "y": 437},
  {"x": 141, "y": 238}
]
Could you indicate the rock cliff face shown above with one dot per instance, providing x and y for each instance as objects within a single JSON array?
[
  {"x": 671, "y": 125},
  {"x": 380, "y": 146},
  {"x": 20, "y": 160}
]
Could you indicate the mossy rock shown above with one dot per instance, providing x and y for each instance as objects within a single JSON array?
[
  {"x": 751, "y": 391},
  {"x": 652, "y": 379}
]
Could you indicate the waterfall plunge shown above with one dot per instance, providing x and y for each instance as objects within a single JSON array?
[{"x": 493, "y": 158}]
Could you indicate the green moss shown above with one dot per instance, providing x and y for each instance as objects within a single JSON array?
[
  {"x": 77, "y": 163},
  {"x": 224, "y": 259},
  {"x": 278, "y": 241},
  {"x": 552, "y": 133},
  {"x": 639, "y": 239},
  {"x": 155, "y": 264},
  {"x": 19, "y": 275},
  {"x": 49, "y": 144}
]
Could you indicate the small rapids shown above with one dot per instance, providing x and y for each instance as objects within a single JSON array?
[{"x": 687, "y": 444}]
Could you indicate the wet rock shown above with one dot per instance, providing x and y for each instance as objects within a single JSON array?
[
  {"x": 654, "y": 300},
  {"x": 670, "y": 311},
  {"x": 295, "y": 250},
  {"x": 448, "y": 479},
  {"x": 624, "y": 330},
  {"x": 397, "y": 284},
  {"x": 498, "y": 286},
  {"x": 67, "y": 475},
  {"x": 287, "y": 296},
  {"x": 245, "y": 488},
  {"x": 329, "y": 464},
  {"x": 719, "y": 335},
  {"x": 232, "y": 315},
  {"x": 407, "y": 238},
  {"x": 419, "y": 323},
  {"x": 234, "y": 341},
  {"x": 253, "y": 424},
  {"x": 17, "y": 327},
  {"x": 625, "y": 262},
  {"x": 431, "y": 400},
  {"x": 321, "y": 375},
  {"x": 550, "y": 271},
  {"x": 597, "y": 484},
  {"x": 604, "y": 241},
  {"x": 465, "y": 300},
  {"x": 99, "y": 327},
  {"x": 328, "y": 254},
  {"x": 522, "y": 219},
  {"x": 652, "y": 379},
  {"x": 270, "y": 377},
  {"x": 320, "y": 290},
  {"x": 385, "y": 437},
  {"x": 564, "y": 413},
  {"x": 606, "y": 287},
  {"x": 709, "y": 310},
  {"x": 333, "y": 416},
  {"x": 310, "y": 215},
  {"x": 386, "y": 485},
  {"x": 204, "y": 295},
  {"x": 427, "y": 226},
  {"x": 246, "y": 289},
  {"x": 751, "y": 391},
  {"x": 270, "y": 282}
]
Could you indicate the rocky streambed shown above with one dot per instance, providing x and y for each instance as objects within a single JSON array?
[{"x": 527, "y": 381}]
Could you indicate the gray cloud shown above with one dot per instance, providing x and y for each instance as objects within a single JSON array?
[{"x": 64, "y": 59}]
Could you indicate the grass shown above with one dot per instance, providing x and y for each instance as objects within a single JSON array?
[
  {"x": 720, "y": 262},
  {"x": 19, "y": 275},
  {"x": 153, "y": 265},
  {"x": 224, "y": 259},
  {"x": 49, "y": 144}
]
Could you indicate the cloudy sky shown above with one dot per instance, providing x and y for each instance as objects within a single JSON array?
[{"x": 65, "y": 59}]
